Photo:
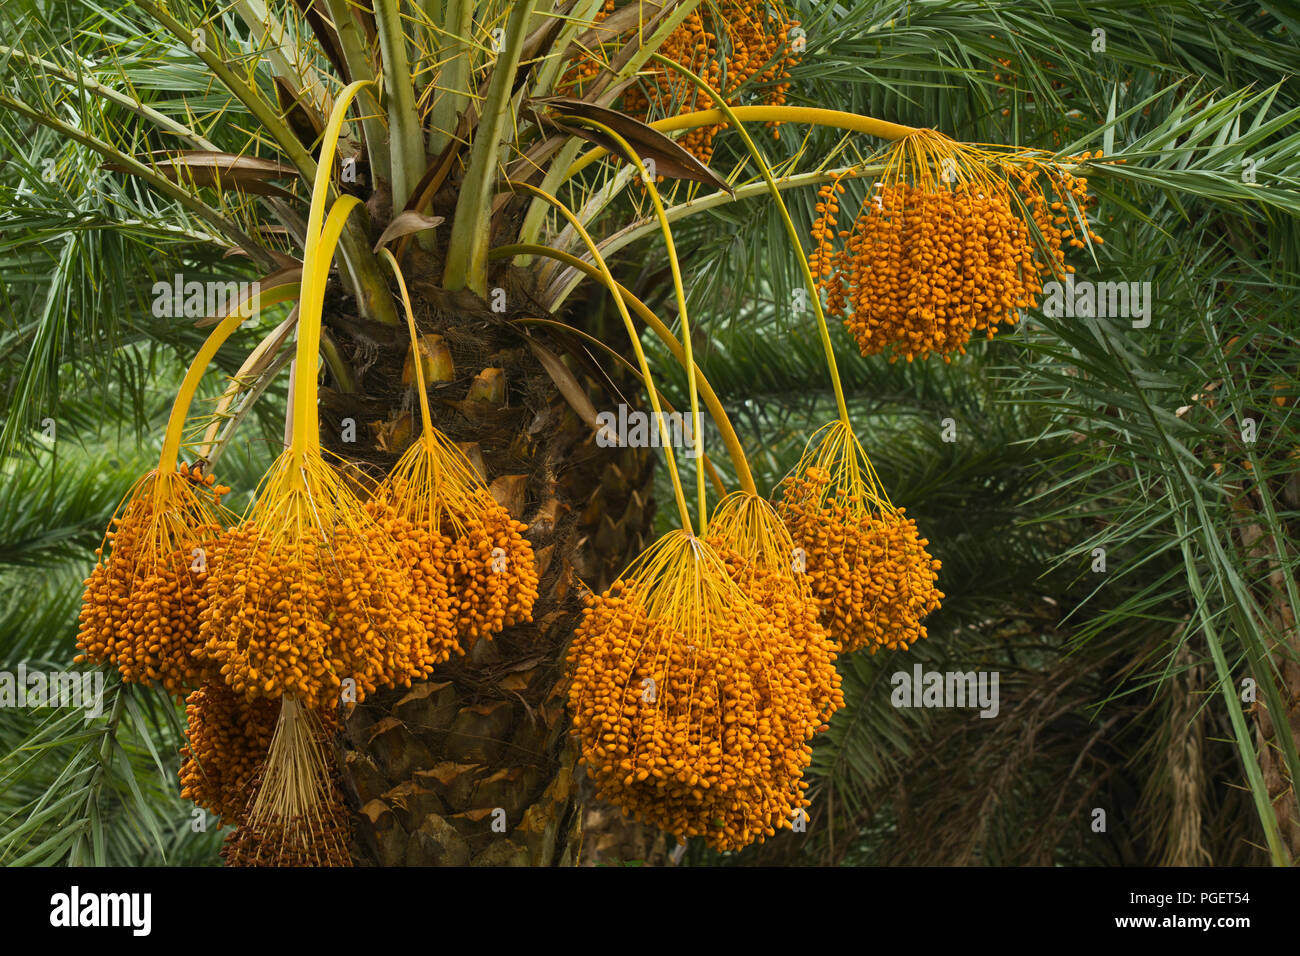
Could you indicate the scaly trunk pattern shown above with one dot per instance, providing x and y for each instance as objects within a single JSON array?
[{"x": 475, "y": 766}]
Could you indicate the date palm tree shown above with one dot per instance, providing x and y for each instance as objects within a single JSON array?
[{"x": 558, "y": 185}]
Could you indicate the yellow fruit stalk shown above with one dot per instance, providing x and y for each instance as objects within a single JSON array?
[
  {"x": 140, "y": 608},
  {"x": 309, "y": 590}
]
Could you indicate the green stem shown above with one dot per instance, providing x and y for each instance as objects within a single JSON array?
[
  {"x": 265, "y": 114},
  {"x": 329, "y": 351},
  {"x": 360, "y": 67},
  {"x": 399, "y": 92},
  {"x": 454, "y": 77},
  {"x": 368, "y": 283},
  {"x": 468, "y": 245},
  {"x": 270, "y": 40}
]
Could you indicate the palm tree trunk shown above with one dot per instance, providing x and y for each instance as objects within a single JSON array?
[
  {"x": 475, "y": 766},
  {"x": 1262, "y": 546},
  {"x": 611, "y": 838}
]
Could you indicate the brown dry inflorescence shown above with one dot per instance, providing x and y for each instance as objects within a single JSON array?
[
  {"x": 142, "y": 602},
  {"x": 226, "y": 742},
  {"x": 697, "y": 723},
  {"x": 867, "y": 563},
  {"x": 295, "y": 815},
  {"x": 320, "y": 840}
]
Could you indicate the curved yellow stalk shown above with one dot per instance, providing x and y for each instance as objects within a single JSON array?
[
  {"x": 812, "y": 116},
  {"x": 306, "y": 414},
  {"x": 271, "y": 343},
  {"x": 325, "y": 165},
  {"x": 835, "y": 449},
  {"x": 733, "y": 117},
  {"x": 688, "y": 362},
  {"x": 433, "y": 481},
  {"x": 714, "y": 476},
  {"x": 315, "y": 271},
  {"x": 416, "y": 360},
  {"x": 660, "y": 328},
  {"x": 608, "y": 278},
  {"x": 190, "y": 384},
  {"x": 559, "y": 287}
]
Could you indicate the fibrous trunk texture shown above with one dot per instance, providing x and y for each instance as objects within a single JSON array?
[
  {"x": 476, "y": 766},
  {"x": 1263, "y": 546}
]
